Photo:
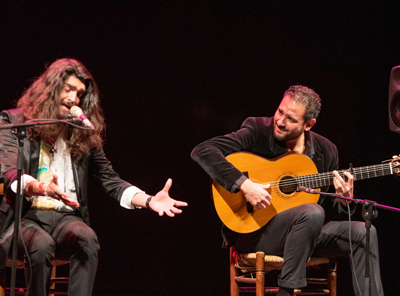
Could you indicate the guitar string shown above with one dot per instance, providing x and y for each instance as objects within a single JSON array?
[
  {"x": 384, "y": 169},
  {"x": 326, "y": 177},
  {"x": 330, "y": 175},
  {"x": 297, "y": 180}
]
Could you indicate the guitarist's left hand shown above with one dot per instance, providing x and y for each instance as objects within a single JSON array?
[{"x": 342, "y": 187}]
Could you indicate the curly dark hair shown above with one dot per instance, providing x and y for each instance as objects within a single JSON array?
[
  {"x": 42, "y": 100},
  {"x": 308, "y": 97}
]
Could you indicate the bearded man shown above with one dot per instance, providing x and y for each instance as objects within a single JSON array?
[{"x": 310, "y": 229}]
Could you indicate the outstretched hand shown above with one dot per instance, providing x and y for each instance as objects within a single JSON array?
[
  {"x": 53, "y": 190},
  {"x": 163, "y": 203}
]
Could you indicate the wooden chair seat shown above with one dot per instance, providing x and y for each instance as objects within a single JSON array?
[
  {"x": 21, "y": 264},
  {"x": 247, "y": 273},
  {"x": 54, "y": 279}
]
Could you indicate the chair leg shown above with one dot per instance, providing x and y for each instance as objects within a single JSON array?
[
  {"x": 233, "y": 273},
  {"x": 2, "y": 283},
  {"x": 260, "y": 274},
  {"x": 53, "y": 275},
  {"x": 332, "y": 277}
]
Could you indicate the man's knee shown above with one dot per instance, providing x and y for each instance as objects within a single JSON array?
[
  {"x": 92, "y": 243},
  {"x": 313, "y": 213},
  {"x": 86, "y": 239},
  {"x": 359, "y": 231},
  {"x": 41, "y": 251}
]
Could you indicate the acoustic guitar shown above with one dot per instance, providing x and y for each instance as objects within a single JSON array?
[{"x": 284, "y": 174}]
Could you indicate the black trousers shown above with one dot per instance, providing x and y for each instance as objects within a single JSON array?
[
  {"x": 50, "y": 235},
  {"x": 300, "y": 232}
]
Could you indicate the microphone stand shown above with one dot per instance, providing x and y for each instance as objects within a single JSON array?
[
  {"x": 21, "y": 135},
  {"x": 369, "y": 213}
]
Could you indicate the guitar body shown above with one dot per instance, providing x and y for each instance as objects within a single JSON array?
[{"x": 233, "y": 209}]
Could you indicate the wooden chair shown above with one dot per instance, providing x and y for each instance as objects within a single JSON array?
[
  {"x": 54, "y": 279},
  {"x": 247, "y": 274},
  {"x": 20, "y": 265}
]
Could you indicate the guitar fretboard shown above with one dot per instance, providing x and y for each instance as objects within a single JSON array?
[{"x": 361, "y": 173}]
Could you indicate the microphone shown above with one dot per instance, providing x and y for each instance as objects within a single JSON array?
[
  {"x": 77, "y": 112},
  {"x": 308, "y": 190}
]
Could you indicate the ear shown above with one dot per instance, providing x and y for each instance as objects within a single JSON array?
[{"x": 310, "y": 124}]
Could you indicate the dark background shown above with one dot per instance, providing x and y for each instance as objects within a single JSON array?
[{"x": 172, "y": 74}]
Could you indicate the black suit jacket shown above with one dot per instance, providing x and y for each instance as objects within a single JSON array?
[{"x": 93, "y": 165}]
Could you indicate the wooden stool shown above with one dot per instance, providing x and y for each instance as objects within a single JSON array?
[
  {"x": 53, "y": 280},
  {"x": 20, "y": 265},
  {"x": 250, "y": 269}
]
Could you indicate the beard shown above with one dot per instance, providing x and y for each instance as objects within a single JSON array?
[
  {"x": 287, "y": 135},
  {"x": 63, "y": 110},
  {"x": 60, "y": 116}
]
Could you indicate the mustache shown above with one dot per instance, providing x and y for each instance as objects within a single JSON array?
[
  {"x": 67, "y": 103},
  {"x": 283, "y": 129}
]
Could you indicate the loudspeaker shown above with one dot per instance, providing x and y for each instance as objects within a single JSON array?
[{"x": 394, "y": 100}]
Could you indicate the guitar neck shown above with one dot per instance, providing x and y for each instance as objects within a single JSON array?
[{"x": 361, "y": 173}]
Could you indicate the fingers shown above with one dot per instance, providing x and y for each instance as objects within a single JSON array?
[
  {"x": 350, "y": 177},
  {"x": 342, "y": 187},
  {"x": 163, "y": 203},
  {"x": 339, "y": 180},
  {"x": 180, "y": 203},
  {"x": 257, "y": 194},
  {"x": 170, "y": 209},
  {"x": 70, "y": 202},
  {"x": 170, "y": 214},
  {"x": 54, "y": 178},
  {"x": 66, "y": 200},
  {"x": 262, "y": 203},
  {"x": 266, "y": 186},
  {"x": 266, "y": 203},
  {"x": 53, "y": 190},
  {"x": 168, "y": 185},
  {"x": 266, "y": 199},
  {"x": 336, "y": 174},
  {"x": 167, "y": 212}
]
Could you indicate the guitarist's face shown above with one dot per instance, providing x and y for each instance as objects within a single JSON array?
[{"x": 289, "y": 121}]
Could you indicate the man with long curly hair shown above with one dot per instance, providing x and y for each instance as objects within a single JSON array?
[{"x": 59, "y": 160}]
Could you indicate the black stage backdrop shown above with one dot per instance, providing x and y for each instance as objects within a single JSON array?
[{"x": 173, "y": 74}]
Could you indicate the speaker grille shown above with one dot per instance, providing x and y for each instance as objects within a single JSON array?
[
  {"x": 395, "y": 109},
  {"x": 394, "y": 100}
]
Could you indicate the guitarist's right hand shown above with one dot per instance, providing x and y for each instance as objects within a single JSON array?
[{"x": 256, "y": 194}]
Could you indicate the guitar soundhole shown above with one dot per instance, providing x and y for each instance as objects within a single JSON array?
[{"x": 287, "y": 185}]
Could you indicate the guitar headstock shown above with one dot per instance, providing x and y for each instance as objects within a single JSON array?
[{"x": 396, "y": 164}]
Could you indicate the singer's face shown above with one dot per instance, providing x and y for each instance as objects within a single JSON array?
[
  {"x": 289, "y": 121},
  {"x": 71, "y": 95}
]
